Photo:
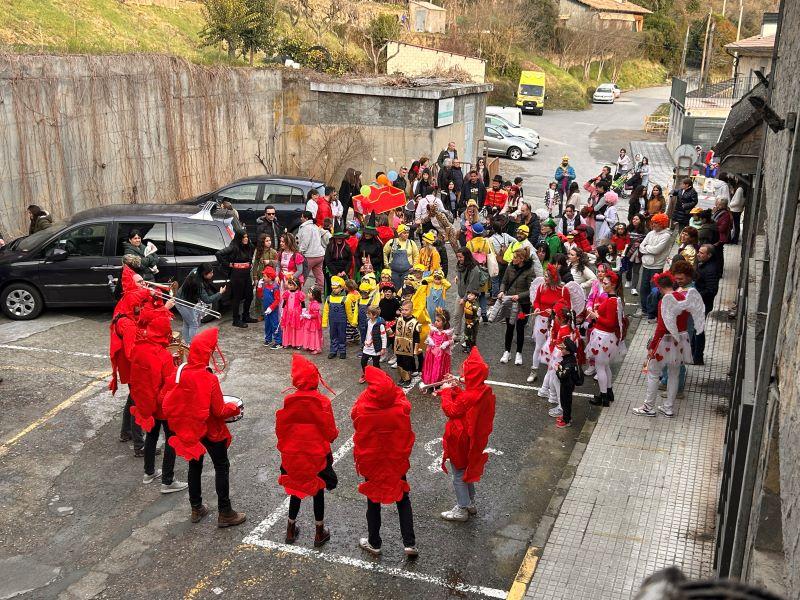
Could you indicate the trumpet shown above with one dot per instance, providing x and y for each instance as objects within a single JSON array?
[
  {"x": 427, "y": 386},
  {"x": 166, "y": 292}
]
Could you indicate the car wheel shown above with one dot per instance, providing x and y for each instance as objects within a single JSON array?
[
  {"x": 514, "y": 153},
  {"x": 21, "y": 302}
]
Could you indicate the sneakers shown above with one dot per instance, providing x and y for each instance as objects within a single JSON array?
[
  {"x": 518, "y": 359},
  {"x": 543, "y": 393},
  {"x": 627, "y": 284},
  {"x": 504, "y": 358},
  {"x": 267, "y": 345},
  {"x": 532, "y": 376},
  {"x": 230, "y": 518},
  {"x": 638, "y": 312},
  {"x": 175, "y": 486},
  {"x": 456, "y": 514},
  {"x": 149, "y": 478},
  {"x": 662, "y": 387},
  {"x": 384, "y": 358},
  {"x": 199, "y": 513},
  {"x": 393, "y": 363},
  {"x": 634, "y": 292},
  {"x": 667, "y": 412},
  {"x": 411, "y": 552},
  {"x": 590, "y": 371},
  {"x": 362, "y": 379},
  {"x": 555, "y": 411},
  {"x": 643, "y": 411},
  {"x": 276, "y": 346},
  {"x": 472, "y": 509},
  {"x": 407, "y": 385},
  {"x": 561, "y": 423},
  {"x": 365, "y": 545}
]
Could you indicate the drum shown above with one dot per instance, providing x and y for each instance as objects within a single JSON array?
[{"x": 238, "y": 402}]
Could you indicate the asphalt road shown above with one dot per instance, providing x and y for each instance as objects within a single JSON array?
[{"x": 76, "y": 521}]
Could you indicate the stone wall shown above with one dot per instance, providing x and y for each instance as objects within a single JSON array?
[{"x": 411, "y": 59}]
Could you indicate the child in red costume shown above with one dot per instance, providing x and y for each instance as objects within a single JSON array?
[
  {"x": 196, "y": 413},
  {"x": 382, "y": 445},
  {"x": 470, "y": 414},
  {"x": 152, "y": 374},
  {"x": 305, "y": 429}
]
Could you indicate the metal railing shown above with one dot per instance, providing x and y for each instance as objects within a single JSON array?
[{"x": 722, "y": 94}]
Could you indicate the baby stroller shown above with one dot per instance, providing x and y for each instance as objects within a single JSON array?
[{"x": 625, "y": 184}]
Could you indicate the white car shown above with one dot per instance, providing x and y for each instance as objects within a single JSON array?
[
  {"x": 604, "y": 94},
  {"x": 617, "y": 90},
  {"x": 509, "y": 113},
  {"x": 525, "y": 133}
]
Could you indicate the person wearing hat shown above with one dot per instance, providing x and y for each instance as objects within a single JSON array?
[
  {"x": 369, "y": 252},
  {"x": 429, "y": 256},
  {"x": 334, "y": 317},
  {"x": 564, "y": 177},
  {"x": 481, "y": 249},
  {"x": 522, "y": 241},
  {"x": 694, "y": 218},
  {"x": 654, "y": 251},
  {"x": 400, "y": 254},
  {"x": 338, "y": 256},
  {"x": 270, "y": 293},
  {"x": 496, "y": 197},
  {"x": 470, "y": 216},
  {"x": 550, "y": 237}
]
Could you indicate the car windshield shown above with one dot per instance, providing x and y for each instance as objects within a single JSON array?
[
  {"x": 531, "y": 90},
  {"x": 503, "y": 122},
  {"x": 605, "y": 88},
  {"x": 33, "y": 241}
]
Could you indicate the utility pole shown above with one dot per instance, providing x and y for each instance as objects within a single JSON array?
[
  {"x": 705, "y": 44},
  {"x": 739, "y": 24},
  {"x": 724, "y": 4},
  {"x": 685, "y": 48},
  {"x": 710, "y": 51}
]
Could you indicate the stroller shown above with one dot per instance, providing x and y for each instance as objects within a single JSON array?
[{"x": 625, "y": 184}]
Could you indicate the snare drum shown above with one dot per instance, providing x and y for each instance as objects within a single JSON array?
[{"x": 238, "y": 402}]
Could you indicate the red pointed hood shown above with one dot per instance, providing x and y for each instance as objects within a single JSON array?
[
  {"x": 475, "y": 370},
  {"x": 155, "y": 325},
  {"x": 381, "y": 390},
  {"x": 128, "y": 279},
  {"x": 132, "y": 300},
  {"x": 305, "y": 375},
  {"x": 203, "y": 346}
]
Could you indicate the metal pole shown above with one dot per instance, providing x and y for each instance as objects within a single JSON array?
[
  {"x": 739, "y": 24},
  {"x": 685, "y": 48},
  {"x": 705, "y": 41}
]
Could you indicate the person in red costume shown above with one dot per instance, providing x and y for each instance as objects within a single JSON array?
[
  {"x": 544, "y": 294},
  {"x": 470, "y": 419},
  {"x": 606, "y": 338},
  {"x": 152, "y": 373},
  {"x": 122, "y": 336},
  {"x": 305, "y": 429},
  {"x": 382, "y": 445},
  {"x": 670, "y": 345},
  {"x": 196, "y": 414}
]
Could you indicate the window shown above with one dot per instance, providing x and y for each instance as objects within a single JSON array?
[
  {"x": 239, "y": 194},
  {"x": 150, "y": 232},
  {"x": 86, "y": 240},
  {"x": 282, "y": 194},
  {"x": 196, "y": 239},
  {"x": 530, "y": 90},
  {"x": 493, "y": 133}
]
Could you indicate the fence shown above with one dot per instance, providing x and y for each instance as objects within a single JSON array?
[{"x": 722, "y": 94}]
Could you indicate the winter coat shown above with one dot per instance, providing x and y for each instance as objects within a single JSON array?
[
  {"x": 338, "y": 257},
  {"x": 469, "y": 281},
  {"x": 655, "y": 249},
  {"x": 122, "y": 332},
  {"x": 272, "y": 229},
  {"x": 707, "y": 276},
  {"x": 372, "y": 248},
  {"x": 43, "y": 221},
  {"x": 309, "y": 240},
  {"x": 147, "y": 261},
  {"x": 152, "y": 367},
  {"x": 685, "y": 200},
  {"x": 517, "y": 280},
  {"x": 383, "y": 438}
]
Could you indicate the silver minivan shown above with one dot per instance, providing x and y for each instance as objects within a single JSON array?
[{"x": 500, "y": 142}]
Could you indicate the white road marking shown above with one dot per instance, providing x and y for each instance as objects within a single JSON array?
[
  {"x": 550, "y": 141},
  {"x": 18, "y": 330},
  {"x": 436, "y": 465},
  {"x": 519, "y": 386},
  {"x": 53, "y": 351},
  {"x": 585, "y": 123},
  {"x": 377, "y": 567}
]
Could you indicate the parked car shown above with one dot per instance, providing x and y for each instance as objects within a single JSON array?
[
  {"x": 512, "y": 114},
  {"x": 516, "y": 130},
  {"x": 77, "y": 262},
  {"x": 617, "y": 90},
  {"x": 250, "y": 195},
  {"x": 604, "y": 94},
  {"x": 500, "y": 142}
]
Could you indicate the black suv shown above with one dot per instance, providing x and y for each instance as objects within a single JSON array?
[
  {"x": 249, "y": 196},
  {"x": 74, "y": 263}
]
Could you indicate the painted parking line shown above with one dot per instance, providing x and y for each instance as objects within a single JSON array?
[
  {"x": 519, "y": 386},
  {"x": 524, "y": 574},
  {"x": 53, "y": 351},
  {"x": 376, "y": 567}
]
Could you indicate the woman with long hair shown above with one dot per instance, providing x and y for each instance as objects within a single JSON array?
[
  {"x": 631, "y": 260},
  {"x": 198, "y": 289},
  {"x": 39, "y": 219},
  {"x": 236, "y": 257},
  {"x": 637, "y": 203},
  {"x": 578, "y": 262},
  {"x": 483, "y": 170},
  {"x": 574, "y": 196},
  {"x": 656, "y": 203},
  {"x": 290, "y": 261},
  {"x": 424, "y": 185},
  {"x": 644, "y": 171},
  {"x": 351, "y": 186},
  {"x": 688, "y": 244}
]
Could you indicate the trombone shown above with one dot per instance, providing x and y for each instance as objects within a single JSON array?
[{"x": 166, "y": 292}]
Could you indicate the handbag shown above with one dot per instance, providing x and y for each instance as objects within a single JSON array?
[{"x": 492, "y": 265}]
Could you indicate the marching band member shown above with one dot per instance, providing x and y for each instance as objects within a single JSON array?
[
  {"x": 382, "y": 445},
  {"x": 470, "y": 419},
  {"x": 305, "y": 429},
  {"x": 670, "y": 345},
  {"x": 152, "y": 373},
  {"x": 196, "y": 413},
  {"x": 606, "y": 338}
]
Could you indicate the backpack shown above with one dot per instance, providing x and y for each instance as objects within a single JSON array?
[{"x": 483, "y": 275}]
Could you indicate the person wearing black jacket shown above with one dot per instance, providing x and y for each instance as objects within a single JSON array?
[
  {"x": 449, "y": 152},
  {"x": 685, "y": 200},
  {"x": 369, "y": 249},
  {"x": 338, "y": 257},
  {"x": 706, "y": 282},
  {"x": 235, "y": 257},
  {"x": 516, "y": 285},
  {"x": 472, "y": 189},
  {"x": 268, "y": 225},
  {"x": 445, "y": 174},
  {"x": 351, "y": 186},
  {"x": 457, "y": 175}
]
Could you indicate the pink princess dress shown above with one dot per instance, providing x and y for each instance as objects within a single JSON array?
[
  {"x": 438, "y": 356},
  {"x": 292, "y": 324},
  {"x": 312, "y": 328}
]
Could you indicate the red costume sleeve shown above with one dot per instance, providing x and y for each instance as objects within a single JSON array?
[
  {"x": 480, "y": 422},
  {"x": 276, "y": 303},
  {"x": 455, "y": 441}
]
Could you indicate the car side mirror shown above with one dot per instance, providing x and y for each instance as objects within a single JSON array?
[{"x": 56, "y": 255}]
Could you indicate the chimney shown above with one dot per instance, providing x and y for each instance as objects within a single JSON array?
[{"x": 769, "y": 24}]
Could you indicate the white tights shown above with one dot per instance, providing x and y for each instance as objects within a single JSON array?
[
  {"x": 604, "y": 377},
  {"x": 539, "y": 340}
]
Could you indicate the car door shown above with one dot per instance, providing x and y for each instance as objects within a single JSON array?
[
  {"x": 495, "y": 142},
  {"x": 195, "y": 243},
  {"x": 247, "y": 199},
  {"x": 152, "y": 229},
  {"x": 80, "y": 279},
  {"x": 289, "y": 202}
]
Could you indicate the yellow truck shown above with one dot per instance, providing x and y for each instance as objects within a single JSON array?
[{"x": 530, "y": 93}]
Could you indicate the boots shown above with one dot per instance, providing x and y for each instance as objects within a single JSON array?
[
  {"x": 610, "y": 394},
  {"x": 199, "y": 513},
  {"x": 292, "y": 531},
  {"x": 600, "y": 399},
  {"x": 322, "y": 535},
  {"x": 230, "y": 518}
]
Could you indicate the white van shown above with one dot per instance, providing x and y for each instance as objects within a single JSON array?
[{"x": 509, "y": 113}]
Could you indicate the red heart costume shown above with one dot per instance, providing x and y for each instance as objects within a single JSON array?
[
  {"x": 305, "y": 428},
  {"x": 383, "y": 438},
  {"x": 152, "y": 366},
  {"x": 194, "y": 408},
  {"x": 470, "y": 414}
]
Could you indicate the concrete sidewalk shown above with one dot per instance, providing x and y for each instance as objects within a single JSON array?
[
  {"x": 645, "y": 492},
  {"x": 661, "y": 163}
]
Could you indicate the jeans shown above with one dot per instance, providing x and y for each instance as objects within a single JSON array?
[
  {"x": 218, "y": 452},
  {"x": 664, "y": 378},
  {"x": 465, "y": 492},
  {"x": 633, "y": 273},
  {"x": 737, "y": 227},
  {"x": 319, "y": 506},
  {"x": 495, "y": 286},
  {"x": 168, "y": 462},
  {"x": 130, "y": 427},
  {"x": 191, "y": 322},
  {"x": 483, "y": 301},
  {"x": 406, "y": 522},
  {"x": 645, "y": 287}
]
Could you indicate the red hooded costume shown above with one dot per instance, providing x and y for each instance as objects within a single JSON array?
[
  {"x": 470, "y": 414},
  {"x": 194, "y": 408},
  {"x": 123, "y": 327},
  {"x": 152, "y": 366},
  {"x": 383, "y": 438},
  {"x": 305, "y": 429}
]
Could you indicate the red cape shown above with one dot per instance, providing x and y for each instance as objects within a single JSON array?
[
  {"x": 305, "y": 428},
  {"x": 383, "y": 438},
  {"x": 470, "y": 413}
]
